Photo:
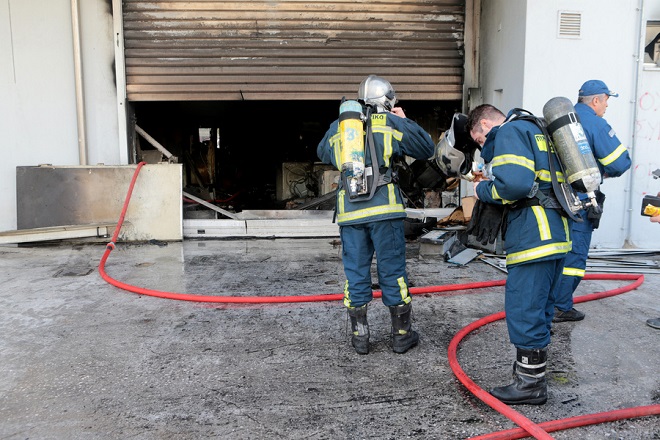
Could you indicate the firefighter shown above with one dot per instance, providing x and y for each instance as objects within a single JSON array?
[
  {"x": 371, "y": 220},
  {"x": 536, "y": 238},
  {"x": 613, "y": 160}
]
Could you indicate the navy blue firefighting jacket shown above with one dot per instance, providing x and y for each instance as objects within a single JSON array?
[
  {"x": 518, "y": 154},
  {"x": 393, "y": 137}
]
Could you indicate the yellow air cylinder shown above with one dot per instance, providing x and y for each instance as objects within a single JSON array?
[{"x": 351, "y": 129}]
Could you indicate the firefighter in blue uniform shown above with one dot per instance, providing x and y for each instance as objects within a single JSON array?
[
  {"x": 613, "y": 160},
  {"x": 376, "y": 224},
  {"x": 536, "y": 238}
]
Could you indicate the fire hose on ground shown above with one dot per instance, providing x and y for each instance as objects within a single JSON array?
[{"x": 527, "y": 427}]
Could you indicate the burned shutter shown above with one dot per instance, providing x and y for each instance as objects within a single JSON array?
[{"x": 291, "y": 50}]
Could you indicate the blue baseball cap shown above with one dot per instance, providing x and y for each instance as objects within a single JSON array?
[{"x": 595, "y": 87}]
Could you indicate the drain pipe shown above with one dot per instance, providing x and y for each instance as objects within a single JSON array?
[
  {"x": 639, "y": 61},
  {"x": 77, "y": 68}
]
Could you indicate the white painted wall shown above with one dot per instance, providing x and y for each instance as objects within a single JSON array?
[
  {"x": 522, "y": 64},
  {"x": 520, "y": 50},
  {"x": 646, "y": 139},
  {"x": 610, "y": 32},
  {"x": 37, "y": 95}
]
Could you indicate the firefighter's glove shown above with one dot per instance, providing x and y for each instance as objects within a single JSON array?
[
  {"x": 594, "y": 215},
  {"x": 486, "y": 222}
]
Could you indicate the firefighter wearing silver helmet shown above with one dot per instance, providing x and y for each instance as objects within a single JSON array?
[
  {"x": 455, "y": 150},
  {"x": 378, "y": 92},
  {"x": 373, "y": 223}
]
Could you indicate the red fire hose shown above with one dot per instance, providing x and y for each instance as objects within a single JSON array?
[{"x": 527, "y": 427}]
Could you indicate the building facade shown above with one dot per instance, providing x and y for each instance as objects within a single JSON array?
[{"x": 76, "y": 76}]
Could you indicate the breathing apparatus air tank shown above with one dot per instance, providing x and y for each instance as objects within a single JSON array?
[
  {"x": 351, "y": 129},
  {"x": 570, "y": 142}
]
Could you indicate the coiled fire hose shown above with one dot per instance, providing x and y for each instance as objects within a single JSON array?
[{"x": 527, "y": 427}]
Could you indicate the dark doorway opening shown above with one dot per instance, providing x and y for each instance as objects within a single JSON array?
[{"x": 257, "y": 155}]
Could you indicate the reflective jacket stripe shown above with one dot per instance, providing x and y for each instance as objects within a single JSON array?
[
  {"x": 340, "y": 202},
  {"x": 614, "y": 155},
  {"x": 573, "y": 272},
  {"x": 542, "y": 221},
  {"x": 538, "y": 252},
  {"x": 335, "y": 141},
  {"x": 512, "y": 159},
  {"x": 544, "y": 175},
  {"x": 495, "y": 195},
  {"x": 388, "y": 132},
  {"x": 370, "y": 212},
  {"x": 392, "y": 207}
]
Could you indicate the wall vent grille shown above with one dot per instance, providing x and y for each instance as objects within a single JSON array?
[{"x": 570, "y": 24}]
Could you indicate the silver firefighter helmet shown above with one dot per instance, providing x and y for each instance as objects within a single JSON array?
[
  {"x": 377, "y": 91},
  {"x": 455, "y": 149}
]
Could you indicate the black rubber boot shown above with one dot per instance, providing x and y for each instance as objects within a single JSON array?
[
  {"x": 529, "y": 385},
  {"x": 360, "y": 328},
  {"x": 567, "y": 315},
  {"x": 403, "y": 336}
]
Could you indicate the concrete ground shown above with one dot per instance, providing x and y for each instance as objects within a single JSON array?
[{"x": 82, "y": 359}]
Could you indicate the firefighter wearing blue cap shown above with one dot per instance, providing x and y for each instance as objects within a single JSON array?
[
  {"x": 373, "y": 222},
  {"x": 613, "y": 160}
]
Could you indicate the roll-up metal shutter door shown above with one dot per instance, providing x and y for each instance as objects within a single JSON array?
[{"x": 291, "y": 49}]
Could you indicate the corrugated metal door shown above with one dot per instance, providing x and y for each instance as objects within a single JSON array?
[{"x": 292, "y": 49}]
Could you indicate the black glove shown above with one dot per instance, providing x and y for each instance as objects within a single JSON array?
[
  {"x": 595, "y": 214},
  {"x": 486, "y": 222}
]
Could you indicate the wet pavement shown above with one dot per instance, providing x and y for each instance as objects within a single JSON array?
[{"x": 82, "y": 359}]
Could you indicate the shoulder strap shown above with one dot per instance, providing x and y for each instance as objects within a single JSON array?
[
  {"x": 375, "y": 167},
  {"x": 376, "y": 179},
  {"x": 524, "y": 115}
]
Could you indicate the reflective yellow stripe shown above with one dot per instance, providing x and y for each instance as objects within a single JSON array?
[
  {"x": 347, "y": 300},
  {"x": 370, "y": 212},
  {"x": 391, "y": 208},
  {"x": 614, "y": 155},
  {"x": 391, "y": 195},
  {"x": 403, "y": 290},
  {"x": 388, "y": 133},
  {"x": 538, "y": 252},
  {"x": 567, "y": 230},
  {"x": 544, "y": 175},
  {"x": 340, "y": 202},
  {"x": 387, "y": 149},
  {"x": 335, "y": 144},
  {"x": 512, "y": 159},
  {"x": 542, "y": 222},
  {"x": 496, "y": 196},
  {"x": 573, "y": 272}
]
